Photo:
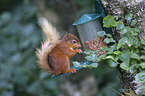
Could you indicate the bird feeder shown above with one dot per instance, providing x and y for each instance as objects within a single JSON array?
[{"x": 88, "y": 25}]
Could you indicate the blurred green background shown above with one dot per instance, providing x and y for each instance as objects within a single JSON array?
[{"x": 20, "y": 35}]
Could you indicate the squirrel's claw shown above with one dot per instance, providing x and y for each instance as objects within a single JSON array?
[{"x": 73, "y": 70}]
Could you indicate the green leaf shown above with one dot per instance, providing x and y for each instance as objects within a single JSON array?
[
  {"x": 94, "y": 51},
  {"x": 142, "y": 65},
  {"x": 143, "y": 41},
  {"x": 85, "y": 65},
  {"x": 94, "y": 65},
  {"x": 114, "y": 23},
  {"x": 119, "y": 46},
  {"x": 87, "y": 51},
  {"x": 108, "y": 35},
  {"x": 110, "y": 57},
  {"x": 136, "y": 29},
  {"x": 142, "y": 57},
  {"x": 130, "y": 41},
  {"x": 133, "y": 22},
  {"x": 125, "y": 65},
  {"x": 94, "y": 57},
  {"x": 133, "y": 41},
  {"x": 113, "y": 47},
  {"x": 124, "y": 56},
  {"x": 140, "y": 77},
  {"x": 76, "y": 64},
  {"x": 103, "y": 56},
  {"x": 112, "y": 63},
  {"x": 132, "y": 69},
  {"x": 137, "y": 43},
  {"x": 107, "y": 40},
  {"x": 134, "y": 55},
  {"x": 103, "y": 49},
  {"x": 112, "y": 40},
  {"x": 108, "y": 20},
  {"x": 128, "y": 17},
  {"x": 117, "y": 52},
  {"x": 123, "y": 40},
  {"x": 101, "y": 33},
  {"x": 124, "y": 30},
  {"x": 120, "y": 25},
  {"x": 134, "y": 34},
  {"x": 89, "y": 58}
]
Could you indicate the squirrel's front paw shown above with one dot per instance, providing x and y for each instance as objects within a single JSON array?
[
  {"x": 73, "y": 70},
  {"x": 80, "y": 51}
]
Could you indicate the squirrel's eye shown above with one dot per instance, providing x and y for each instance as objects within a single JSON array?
[{"x": 74, "y": 41}]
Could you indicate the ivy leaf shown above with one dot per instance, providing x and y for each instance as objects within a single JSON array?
[
  {"x": 94, "y": 65},
  {"x": 110, "y": 57},
  {"x": 130, "y": 41},
  {"x": 119, "y": 46},
  {"x": 113, "y": 47},
  {"x": 120, "y": 25},
  {"x": 108, "y": 20},
  {"x": 125, "y": 65},
  {"x": 94, "y": 51},
  {"x": 137, "y": 29},
  {"x": 123, "y": 40},
  {"x": 107, "y": 40},
  {"x": 94, "y": 57},
  {"x": 132, "y": 69},
  {"x": 103, "y": 49},
  {"x": 112, "y": 40},
  {"x": 108, "y": 35},
  {"x": 114, "y": 23},
  {"x": 89, "y": 58},
  {"x": 101, "y": 33},
  {"x": 133, "y": 22},
  {"x": 143, "y": 41},
  {"x": 112, "y": 63},
  {"x": 87, "y": 51},
  {"x": 128, "y": 17},
  {"x": 76, "y": 64},
  {"x": 134, "y": 55},
  {"x": 124, "y": 56},
  {"x": 137, "y": 43},
  {"x": 103, "y": 56},
  {"x": 142, "y": 65},
  {"x": 117, "y": 52},
  {"x": 140, "y": 77},
  {"x": 142, "y": 57},
  {"x": 124, "y": 30},
  {"x": 134, "y": 34}
]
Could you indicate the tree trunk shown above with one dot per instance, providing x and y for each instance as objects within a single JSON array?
[{"x": 122, "y": 8}]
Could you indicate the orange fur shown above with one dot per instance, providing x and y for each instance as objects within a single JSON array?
[{"x": 54, "y": 54}]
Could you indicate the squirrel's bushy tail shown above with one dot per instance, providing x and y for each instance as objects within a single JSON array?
[{"x": 50, "y": 42}]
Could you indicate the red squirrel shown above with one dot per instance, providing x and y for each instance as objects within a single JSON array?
[{"x": 54, "y": 54}]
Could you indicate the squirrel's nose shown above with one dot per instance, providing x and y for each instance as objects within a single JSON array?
[{"x": 79, "y": 45}]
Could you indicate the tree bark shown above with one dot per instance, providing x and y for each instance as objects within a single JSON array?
[{"x": 122, "y": 8}]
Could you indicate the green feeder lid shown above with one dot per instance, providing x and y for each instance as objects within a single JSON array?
[{"x": 86, "y": 18}]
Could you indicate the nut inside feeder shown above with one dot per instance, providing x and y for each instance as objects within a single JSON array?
[{"x": 88, "y": 25}]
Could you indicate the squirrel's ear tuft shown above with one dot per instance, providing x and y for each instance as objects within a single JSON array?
[{"x": 67, "y": 37}]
